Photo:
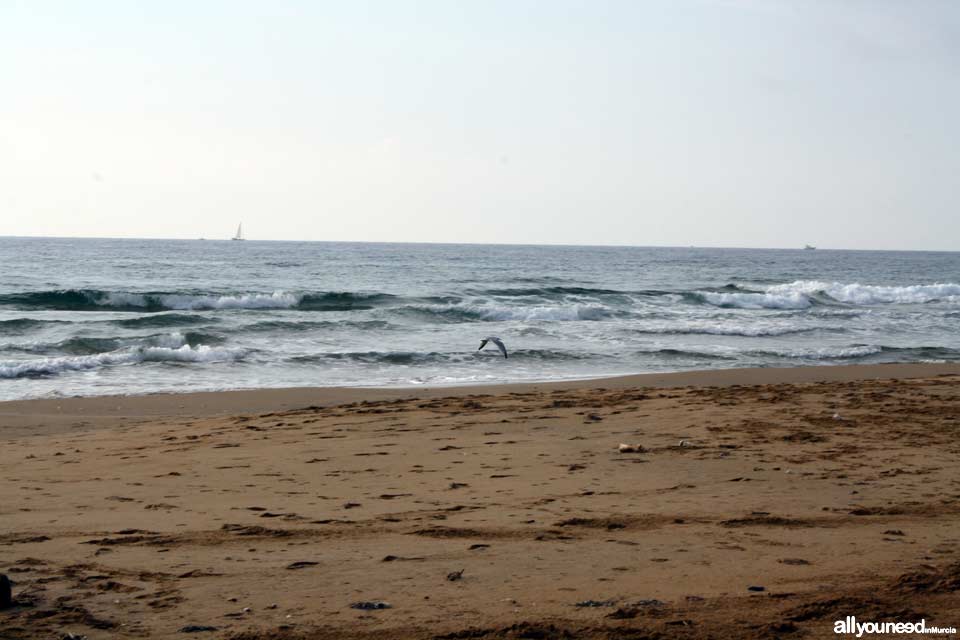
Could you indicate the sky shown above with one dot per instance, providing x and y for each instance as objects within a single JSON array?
[{"x": 747, "y": 123}]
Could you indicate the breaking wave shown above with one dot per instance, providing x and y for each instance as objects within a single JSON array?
[
  {"x": 98, "y": 300},
  {"x": 719, "y": 329},
  {"x": 803, "y": 294},
  {"x": 434, "y": 357},
  {"x": 865, "y": 294},
  {"x": 789, "y": 300},
  {"x": 547, "y": 292},
  {"x": 852, "y": 352},
  {"x": 571, "y": 303},
  {"x": 54, "y": 366},
  {"x": 87, "y": 345},
  {"x": 501, "y": 313}
]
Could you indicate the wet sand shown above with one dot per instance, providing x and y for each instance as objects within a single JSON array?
[{"x": 762, "y": 503}]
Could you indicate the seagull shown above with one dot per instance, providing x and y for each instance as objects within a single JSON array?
[{"x": 495, "y": 340}]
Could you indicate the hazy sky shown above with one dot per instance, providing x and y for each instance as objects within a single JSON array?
[{"x": 698, "y": 122}]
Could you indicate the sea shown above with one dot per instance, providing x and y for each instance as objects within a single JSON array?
[{"x": 81, "y": 317}]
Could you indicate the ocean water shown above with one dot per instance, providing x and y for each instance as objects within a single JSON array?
[{"x": 91, "y": 317}]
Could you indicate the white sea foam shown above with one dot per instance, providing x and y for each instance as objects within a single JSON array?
[
  {"x": 827, "y": 353},
  {"x": 770, "y": 300},
  {"x": 52, "y": 366},
  {"x": 866, "y": 294},
  {"x": 119, "y": 299},
  {"x": 719, "y": 328},
  {"x": 173, "y": 340},
  {"x": 800, "y": 294},
  {"x": 186, "y": 353},
  {"x": 186, "y": 302},
  {"x": 275, "y": 300}
]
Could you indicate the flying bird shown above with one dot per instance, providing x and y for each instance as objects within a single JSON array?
[{"x": 495, "y": 340}]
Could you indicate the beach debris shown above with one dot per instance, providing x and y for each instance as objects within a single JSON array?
[
  {"x": 6, "y": 592},
  {"x": 756, "y": 588},
  {"x": 479, "y": 545},
  {"x": 593, "y": 417},
  {"x": 453, "y": 576},
  {"x": 894, "y": 532},
  {"x": 272, "y": 606},
  {"x": 301, "y": 564},
  {"x": 647, "y": 602},
  {"x": 683, "y": 443},
  {"x": 351, "y": 505},
  {"x": 794, "y": 561},
  {"x": 370, "y": 605},
  {"x": 631, "y": 448},
  {"x": 66, "y": 635},
  {"x": 595, "y": 603},
  {"x": 458, "y": 485},
  {"x": 196, "y": 628},
  {"x": 837, "y": 416}
]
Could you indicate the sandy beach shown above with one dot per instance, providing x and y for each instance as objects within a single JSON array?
[{"x": 758, "y": 503}]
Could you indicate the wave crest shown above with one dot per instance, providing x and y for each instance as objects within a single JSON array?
[
  {"x": 787, "y": 300},
  {"x": 98, "y": 300},
  {"x": 868, "y": 294},
  {"x": 54, "y": 366}
]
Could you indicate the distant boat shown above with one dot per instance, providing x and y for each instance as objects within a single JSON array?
[
  {"x": 239, "y": 235},
  {"x": 806, "y": 247}
]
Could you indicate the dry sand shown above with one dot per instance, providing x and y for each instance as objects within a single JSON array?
[{"x": 266, "y": 514}]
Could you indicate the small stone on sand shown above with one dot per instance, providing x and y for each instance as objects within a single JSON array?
[
  {"x": 370, "y": 605},
  {"x": 6, "y": 593}
]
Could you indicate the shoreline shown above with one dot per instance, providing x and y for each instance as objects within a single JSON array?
[
  {"x": 46, "y": 416},
  {"x": 156, "y": 404}
]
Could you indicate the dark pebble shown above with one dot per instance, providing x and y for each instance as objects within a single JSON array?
[
  {"x": 756, "y": 588},
  {"x": 196, "y": 628},
  {"x": 594, "y": 603},
  {"x": 6, "y": 593},
  {"x": 367, "y": 606}
]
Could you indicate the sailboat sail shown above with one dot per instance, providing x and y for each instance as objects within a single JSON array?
[{"x": 239, "y": 235}]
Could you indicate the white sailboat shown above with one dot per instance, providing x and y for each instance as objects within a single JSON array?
[{"x": 239, "y": 235}]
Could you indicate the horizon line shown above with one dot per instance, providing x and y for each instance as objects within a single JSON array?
[{"x": 490, "y": 244}]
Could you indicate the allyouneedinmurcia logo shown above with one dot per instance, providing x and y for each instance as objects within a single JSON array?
[{"x": 849, "y": 625}]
